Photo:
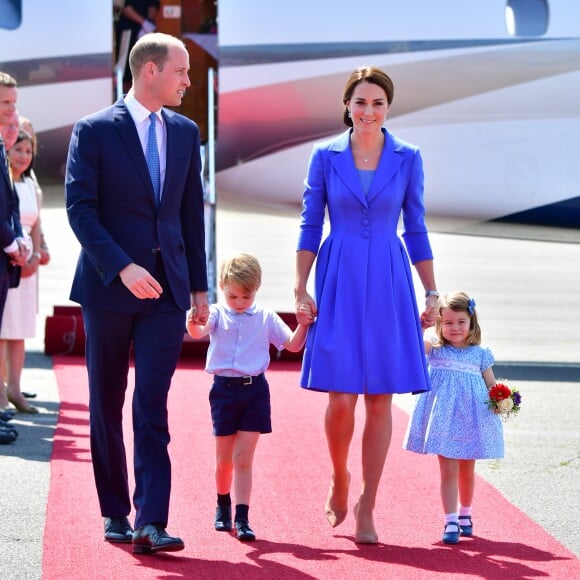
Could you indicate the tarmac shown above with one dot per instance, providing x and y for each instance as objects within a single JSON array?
[{"x": 526, "y": 285}]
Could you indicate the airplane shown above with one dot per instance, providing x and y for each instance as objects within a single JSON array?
[{"x": 487, "y": 89}]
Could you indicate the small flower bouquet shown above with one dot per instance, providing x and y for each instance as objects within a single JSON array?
[{"x": 504, "y": 400}]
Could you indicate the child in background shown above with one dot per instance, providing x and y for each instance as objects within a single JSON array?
[
  {"x": 453, "y": 420},
  {"x": 240, "y": 335}
]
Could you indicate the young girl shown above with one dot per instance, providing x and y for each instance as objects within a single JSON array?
[
  {"x": 453, "y": 421},
  {"x": 240, "y": 335}
]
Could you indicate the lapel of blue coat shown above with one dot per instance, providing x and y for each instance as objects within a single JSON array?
[
  {"x": 343, "y": 163},
  {"x": 128, "y": 133},
  {"x": 389, "y": 164}
]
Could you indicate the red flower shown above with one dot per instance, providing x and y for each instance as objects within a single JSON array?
[
  {"x": 504, "y": 400},
  {"x": 499, "y": 392}
]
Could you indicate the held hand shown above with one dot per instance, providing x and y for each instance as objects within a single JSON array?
[
  {"x": 139, "y": 282},
  {"x": 19, "y": 257},
  {"x": 306, "y": 310},
  {"x": 199, "y": 311},
  {"x": 426, "y": 322},
  {"x": 31, "y": 266},
  {"x": 24, "y": 245},
  {"x": 429, "y": 317},
  {"x": 304, "y": 315}
]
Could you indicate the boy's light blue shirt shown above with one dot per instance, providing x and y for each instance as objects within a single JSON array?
[{"x": 240, "y": 343}]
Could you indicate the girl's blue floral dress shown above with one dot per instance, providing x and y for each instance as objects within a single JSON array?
[{"x": 453, "y": 419}]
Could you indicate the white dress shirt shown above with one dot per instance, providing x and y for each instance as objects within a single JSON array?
[{"x": 140, "y": 116}]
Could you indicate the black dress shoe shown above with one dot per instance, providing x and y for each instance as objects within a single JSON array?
[
  {"x": 118, "y": 530},
  {"x": 243, "y": 531},
  {"x": 153, "y": 538},
  {"x": 7, "y": 437},
  {"x": 223, "y": 518}
]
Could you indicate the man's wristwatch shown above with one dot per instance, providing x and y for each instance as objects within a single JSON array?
[{"x": 431, "y": 293}]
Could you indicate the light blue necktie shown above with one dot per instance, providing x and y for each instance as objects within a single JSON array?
[{"x": 153, "y": 160}]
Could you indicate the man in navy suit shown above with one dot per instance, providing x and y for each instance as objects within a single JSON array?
[
  {"x": 11, "y": 240},
  {"x": 142, "y": 265},
  {"x": 15, "y": 251}
]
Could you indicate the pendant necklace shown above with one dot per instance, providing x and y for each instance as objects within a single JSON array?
[{"x": 365, "y": 156}]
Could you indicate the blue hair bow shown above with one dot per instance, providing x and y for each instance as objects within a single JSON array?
[{"x": 470, "y": 306}]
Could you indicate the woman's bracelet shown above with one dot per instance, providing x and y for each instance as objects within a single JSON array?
[{"x": 35, "y": 255}]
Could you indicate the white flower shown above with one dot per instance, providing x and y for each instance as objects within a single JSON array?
[{"x": 505, "y": 405}]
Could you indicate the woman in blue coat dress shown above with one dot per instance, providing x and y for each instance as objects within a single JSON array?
[{"x": 367, "y": 338}]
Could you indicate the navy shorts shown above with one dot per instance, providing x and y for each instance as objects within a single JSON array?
[{"x": 240, "y": 404}]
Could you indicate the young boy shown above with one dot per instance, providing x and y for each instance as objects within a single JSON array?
[{"x": 238, "y": 354}]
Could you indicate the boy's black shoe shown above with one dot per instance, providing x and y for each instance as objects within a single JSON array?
[
  {"x": 243, "y": 530},
  {"x": 223, "y": 518}
]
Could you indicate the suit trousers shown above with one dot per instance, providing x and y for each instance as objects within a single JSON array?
[{"x": 155, "y": 336}]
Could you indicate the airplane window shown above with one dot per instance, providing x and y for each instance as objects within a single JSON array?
[{"x": 526, "y": 17}]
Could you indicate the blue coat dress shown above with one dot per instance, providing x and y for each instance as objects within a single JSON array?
[{"x": 367, "y": 337}]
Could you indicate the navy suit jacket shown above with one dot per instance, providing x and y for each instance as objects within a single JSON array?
[
  {"x": 111, "y": 209},
  {"x": 10, "y": 227}
]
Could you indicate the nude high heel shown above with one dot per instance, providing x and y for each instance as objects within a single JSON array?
[
  {"x": 364, "y": 536},
  {"x": 22, "y": 406},
  {"x": 334, "y": 515}
]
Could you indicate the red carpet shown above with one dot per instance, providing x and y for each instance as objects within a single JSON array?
[{"x": 290, "y": 486}]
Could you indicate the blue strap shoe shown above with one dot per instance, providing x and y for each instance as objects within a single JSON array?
[
  {"x": 451, "y": 533},
  {"x": 466, "y": 526}
]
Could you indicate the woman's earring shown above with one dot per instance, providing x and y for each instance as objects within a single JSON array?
[{"x": 348, "y": 112}]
